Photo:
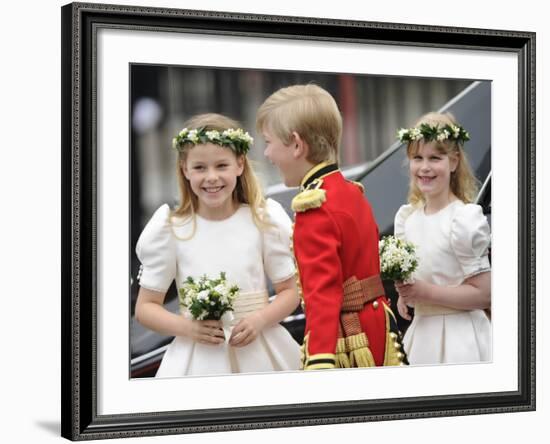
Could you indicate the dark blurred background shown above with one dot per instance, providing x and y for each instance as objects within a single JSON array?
[{"x": 164, "y": 97}]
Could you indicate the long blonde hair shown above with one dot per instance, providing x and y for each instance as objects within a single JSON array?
[
  {"x": 308, "y": 110},
  {"x": 464, "y": 184},
  {"x": 247, "y": 190}
]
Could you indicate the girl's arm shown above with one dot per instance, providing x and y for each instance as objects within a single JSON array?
[
  {"x": 285, "y": 303},
  {"x": 473, "y": 293},
  {"x": 150, "y": 312}
]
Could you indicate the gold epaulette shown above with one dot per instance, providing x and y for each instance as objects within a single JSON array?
[
  {"x": 308, "y": 200},
  {"x": 312, "y": 197}
]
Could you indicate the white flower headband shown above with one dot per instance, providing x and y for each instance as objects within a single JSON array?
[
  {"x": 236, "y": 139},
  {"x": 428, "y": 132}
]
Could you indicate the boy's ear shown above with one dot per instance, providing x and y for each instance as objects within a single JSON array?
[{"x": 299, "y": 146}]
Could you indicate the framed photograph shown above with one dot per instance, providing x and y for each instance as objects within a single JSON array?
[{"x": 131, "y": 76}]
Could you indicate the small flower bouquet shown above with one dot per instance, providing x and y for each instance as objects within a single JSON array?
[
  {"x": 398, "y": 259},
  {"x": 207, "y": 298}
]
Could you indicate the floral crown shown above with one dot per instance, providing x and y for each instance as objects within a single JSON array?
[
  {"x": 236, "y": 139},
  {"x": 428, "y": 132}
]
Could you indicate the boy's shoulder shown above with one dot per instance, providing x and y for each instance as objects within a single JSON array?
[
  {"x": 313, "y": 196},
  {"x": 333, "y": 188}
]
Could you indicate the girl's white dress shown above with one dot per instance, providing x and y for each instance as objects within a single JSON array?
[
  {"x": 237, "y": 247},
  {"x": 452, "y": 245}
]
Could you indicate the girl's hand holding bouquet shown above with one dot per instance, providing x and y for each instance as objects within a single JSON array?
[
  {"x": 398, "y": 262},
  {"x": 209, "y": 302}
]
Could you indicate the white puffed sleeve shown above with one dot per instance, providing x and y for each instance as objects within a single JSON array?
[
  {"x": 278, "y": 259},
  {"x": 399, "y": 222},
  {"x": 470, "y": 239},
  {"x": 156, "y": 251}
]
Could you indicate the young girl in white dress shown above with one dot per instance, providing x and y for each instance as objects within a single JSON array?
[
  {"x": 222, "y": 224},
  {"x": 452, "y": 285}
]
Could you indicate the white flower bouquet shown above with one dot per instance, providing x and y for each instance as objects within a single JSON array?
[
  {"x": 398, "y": 259},
  {"x": 207, "y": 298}
]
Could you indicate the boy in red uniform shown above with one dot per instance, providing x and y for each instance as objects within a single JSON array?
[{"x": 335, "y": 240}]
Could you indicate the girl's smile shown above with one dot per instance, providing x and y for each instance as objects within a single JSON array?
[
  {"x": 212, "y": 190},
  {"x": 426, "y": 179}
]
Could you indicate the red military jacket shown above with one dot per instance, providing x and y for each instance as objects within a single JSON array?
[{"x": 336, "y": 238}]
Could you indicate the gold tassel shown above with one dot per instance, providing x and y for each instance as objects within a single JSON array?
[
  {"x": 342, "y": 358},
  {"x": 362, "y": 357},
  {"x": 359, "y": 351},
  {"x": 308, "y": 199}
]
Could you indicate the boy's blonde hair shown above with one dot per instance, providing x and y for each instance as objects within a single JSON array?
[
  {"x": 464, "y": 184},
  {"x": 247, "y": 190},
  {"x": 311, "y": 112}
]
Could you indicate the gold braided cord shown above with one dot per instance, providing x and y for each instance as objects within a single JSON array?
[
  {"x": 351, "y": 324},
  {"x": 359, "y": 292}
]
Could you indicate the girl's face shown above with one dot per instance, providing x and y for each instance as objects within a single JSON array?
[
  {"x": 430, "y": 169},
  {"x": 212, "y": 171}
]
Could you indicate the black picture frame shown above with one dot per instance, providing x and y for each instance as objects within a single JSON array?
[{"x": 80, "y": 420}]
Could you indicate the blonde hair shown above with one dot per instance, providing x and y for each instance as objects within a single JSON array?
[
  {"x": 247, "y": 190},
  {"x": 308, "y": 110},
  {"x": 464, "y": 184}
]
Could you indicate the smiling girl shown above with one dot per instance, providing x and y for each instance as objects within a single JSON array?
[
  {"x": 222, "y": 224},
  {"x": 452, "y": 285}
]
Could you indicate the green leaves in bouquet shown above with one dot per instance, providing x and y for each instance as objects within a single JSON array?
[
  {"x": 398, "y": 259},
  {"x": 207, "y": 298}
]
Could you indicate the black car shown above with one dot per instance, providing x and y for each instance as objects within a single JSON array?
[{"x": 386, "y": 184}]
